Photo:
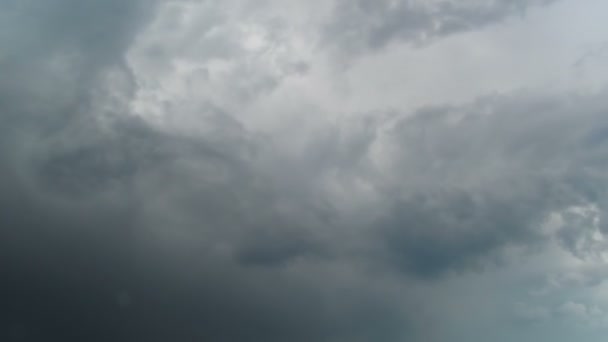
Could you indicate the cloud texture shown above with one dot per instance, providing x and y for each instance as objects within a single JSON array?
[{"x": 202, "y": 171}]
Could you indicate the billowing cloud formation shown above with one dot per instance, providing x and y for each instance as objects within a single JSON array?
[{"x": 154, "y": 186}]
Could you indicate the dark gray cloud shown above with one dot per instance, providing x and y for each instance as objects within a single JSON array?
[
  {"x": 360, "y": 25},
  {"x": 113, "y": 229},
  {"x": 455, "y": 186},
  {"x": 468, "y": 187}
]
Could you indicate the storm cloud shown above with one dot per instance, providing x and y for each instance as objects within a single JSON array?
[{"x": 195, "y": 170}]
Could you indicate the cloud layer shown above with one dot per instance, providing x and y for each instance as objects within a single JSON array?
[{"x": 195, "y": 170}]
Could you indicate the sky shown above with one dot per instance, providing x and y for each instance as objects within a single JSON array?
[{"x": 303, "y": 170}]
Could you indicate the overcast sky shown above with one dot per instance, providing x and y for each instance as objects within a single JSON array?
[{"x": 303, "y": 170}]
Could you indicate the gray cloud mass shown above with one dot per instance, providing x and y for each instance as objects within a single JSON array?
[
  {"x": 366, "y": 24},
  {"x": 113, "y": 229}
]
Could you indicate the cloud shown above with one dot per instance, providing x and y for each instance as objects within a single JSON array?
[
  {"x": 575, "y": 309},
  {"x": 359, "y": 26},
  {"x": 533, "y": 314},
  {"x": 121, "y": 225},
  {"x": 454, "y": 184},
  {"x": 99, "y": 205}
]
